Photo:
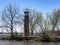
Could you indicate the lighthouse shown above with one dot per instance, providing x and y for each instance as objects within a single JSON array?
[{"x": 26, "y": 22}]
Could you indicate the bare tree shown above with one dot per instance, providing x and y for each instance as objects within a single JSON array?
[
  {"x": 34, "y": 19},
  {"x": 10, "y": 17},
  {"x": 49, "y": 23},
  {"x": 55, "y": 19},
  {"x": 44, "y": 28}
]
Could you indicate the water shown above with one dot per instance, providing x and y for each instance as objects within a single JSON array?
[{"x": 27, "y": 43}]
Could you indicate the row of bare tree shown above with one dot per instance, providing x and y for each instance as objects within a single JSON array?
[{"x": 11, "y": 16}]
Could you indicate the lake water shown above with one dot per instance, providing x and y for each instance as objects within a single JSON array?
[{"x": 4, "y": 42}]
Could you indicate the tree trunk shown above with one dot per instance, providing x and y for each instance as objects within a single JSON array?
[
  {"x": 31, "y": 32},
  {"x": 12, "y": 29},
  {"x": 11, "y": 32}
]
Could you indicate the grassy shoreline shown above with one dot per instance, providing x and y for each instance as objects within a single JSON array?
[{"x": 32, "y": 38}]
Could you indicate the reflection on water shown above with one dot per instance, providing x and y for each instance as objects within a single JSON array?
[{"x": 27, "y": 43}]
